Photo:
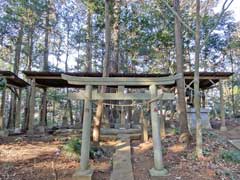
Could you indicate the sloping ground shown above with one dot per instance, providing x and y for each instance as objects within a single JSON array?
[
  {"x": 22, "y": 158},
  {"x": 233, "y": 133},
  {"x": 181, "y": 162},
  {"x": 236, "y": 143}
]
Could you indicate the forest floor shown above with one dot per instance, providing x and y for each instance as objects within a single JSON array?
[
  {"x": 181, "y": 162},
  {"x": 40, "y": 158}
]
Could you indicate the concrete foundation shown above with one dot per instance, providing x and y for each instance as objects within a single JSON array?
[
  {"x": 155, "y": 172},
  {"x": 30, "y": 132},
  {"x": 223, "y": 128},
  {"x": 83, "y": 174},
  {"x": 41, "y": 129},
  {"x": 4, "y": 133},
  {"x": 17, "y": 130},
  {"x": 191, "y": 115}
]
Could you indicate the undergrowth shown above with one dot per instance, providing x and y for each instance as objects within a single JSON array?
[
  {"x": 233, "y": 156},
  {"x": 72, "y": 149}
]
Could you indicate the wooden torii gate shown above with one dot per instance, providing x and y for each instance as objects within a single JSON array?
[{"x": 88, "y": 95}]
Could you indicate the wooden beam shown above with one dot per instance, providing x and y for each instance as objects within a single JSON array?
[
  {"x": 119, "y": 96},
  {"x": 7, "y": 77},
  {"x": 206, "y": 77},
  {"x": 121, "y": 81},
  {"x": 43, "y": 77}
]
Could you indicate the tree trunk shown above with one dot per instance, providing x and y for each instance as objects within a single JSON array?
[
  {"x": 17, "y": 57},
  {"x": 18, "y": 111},
  {"x": 89, "y": 41},
  {"x": 70, "y": 109},
  {"x": 53, "y": 112},
  {"x": 69, "y": 103},
  {"x": 18, "y": 50},
  {"x": 181, "y": 107},
  {"x": 115, "y": 62},
  {"x": 232, "y": 97},
  {"x": 11, "y": 118},
  {"x": 196, "y": 84},
  {"x": 98, "y": 116},
  {"x": 29, "y": 67},
  {"x": 46, "y": 43},
  {"x": 2, "y": 109},
  {"x": 43, "y": 114}
]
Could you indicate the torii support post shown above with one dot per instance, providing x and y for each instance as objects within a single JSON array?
[
  {"x": 222, "y": 115},
  {"x": 18, "y": 111},
  {"x": 32, "y": 107},
  {"x": 158, "y": 169},
  {"x": 122, "y": 113},
  {"x": 3, "y": 131},
  {"x": 144, "y": 127},
  {"x": 84, "y": 173}
]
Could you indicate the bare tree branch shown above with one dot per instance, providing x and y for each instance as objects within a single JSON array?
[
  {"x": 179, "y": 18},
  {"x": 224, "y": 9},
  {"x": 225, "y": 6}
]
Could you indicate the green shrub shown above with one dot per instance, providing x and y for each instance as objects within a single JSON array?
[
  {"x": 96, "y": 152},
  {"x": 233, "y": 156},
  {"x": 3, "y": 83},
  {"x": 72, "y": 149}
]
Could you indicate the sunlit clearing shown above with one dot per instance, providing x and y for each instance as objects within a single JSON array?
[{"x": 177, "y": 148}]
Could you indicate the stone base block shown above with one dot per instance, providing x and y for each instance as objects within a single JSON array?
[
  {"x": 30, "y": 132},
  {"x": 117, "y": 125},
  {"x": 17, "y": 130},
  {"x": 41, "y": 129},
  {"x": 223, "y": 128},
  {"x": 4, "y": 133},
  {"x": 83, "y": 174},
  {"x": 156, "y": 172}
]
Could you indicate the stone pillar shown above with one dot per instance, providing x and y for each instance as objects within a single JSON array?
[
  {"x": 18, "y": 112},
  {"x": 162, "y": 121},
  {"x": 3, "y": 131},
  {"x": 122, "y": 113},
  {"x": 222, "y": 111},
  {"x": 32, "y": 107},
  {"x": 144, "y": 127},
  {"x": 203, "y": 99},
  {"x": 84, "y": 172},
  {"x": 158, "y": 169}
]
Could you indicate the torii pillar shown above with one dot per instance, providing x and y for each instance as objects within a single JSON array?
[
  {"x": 158, "y": 169},
  {"x": 84, "y": 173}
]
